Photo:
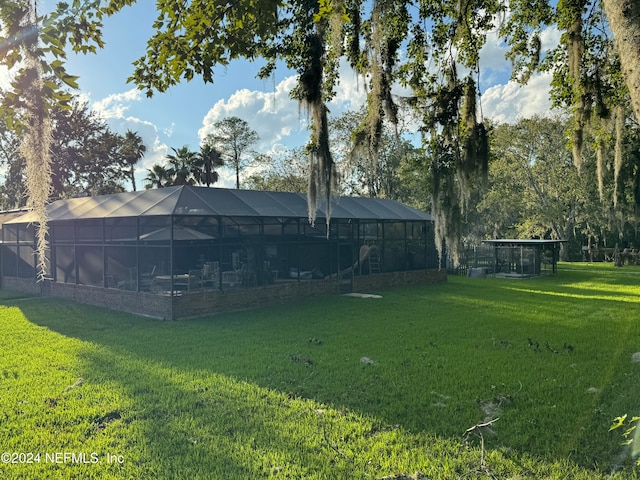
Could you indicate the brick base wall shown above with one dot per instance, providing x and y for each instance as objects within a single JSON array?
[
  {"x": 140, "y": 303},
  {"x": 206, "y": 303},
  {"x": 25, "y": 285},
  {"x": 383, "y": 281},
  {"x": 217, "y": 302}
]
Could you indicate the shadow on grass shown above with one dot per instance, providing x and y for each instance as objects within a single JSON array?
[
  {"x": 198, "y": 424},
  {"x": 443, "y": 358}
]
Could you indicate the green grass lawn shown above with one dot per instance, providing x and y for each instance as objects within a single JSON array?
[{"x": 331, "y": 388}]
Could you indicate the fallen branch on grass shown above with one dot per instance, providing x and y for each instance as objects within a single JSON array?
[
  {"x": 52, "y": 402},
  {"x": 477, "y": 428}
]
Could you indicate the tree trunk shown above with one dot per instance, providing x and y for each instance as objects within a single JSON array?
[{"x": 624, "y": 21}]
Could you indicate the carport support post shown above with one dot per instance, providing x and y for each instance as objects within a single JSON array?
[
  {"x": 495, "y": 260},
  {"x": 171, "y": 257},
  {"x": 220, "y": 233},
  {"x": 137, "y": 258}
]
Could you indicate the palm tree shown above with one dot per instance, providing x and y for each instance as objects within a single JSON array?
[
  {"x": 132, "y": 150},
  {"x": 207, "y": 160},
  {"x": 157, "y": 177},
  {"x": 182, "y": 166}
]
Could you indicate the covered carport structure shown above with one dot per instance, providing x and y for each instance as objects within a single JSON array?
[{"x": 524, "y": 257}]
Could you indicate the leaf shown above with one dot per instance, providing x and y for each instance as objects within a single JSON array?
[
  {"x": 618, "y": 422},
  {"x": 50, "y": 84},
  {"x": 70, "y": 80},
  {"x": 58, "y": 52}
]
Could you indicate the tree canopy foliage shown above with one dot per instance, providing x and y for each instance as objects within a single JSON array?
[
  {"x": 232, "y": 137},
  {"x": 397, "y": 172},
  {"x": 87, "y": 158},
  {"x": 285, "y": 172},
  {"x": 132, "y": 152},
  {"x": 535, "y": 191}
]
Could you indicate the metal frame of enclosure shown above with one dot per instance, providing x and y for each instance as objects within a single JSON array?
[
  {"x": 524, "y": 257},
  {"x": 177, "y": 240}
]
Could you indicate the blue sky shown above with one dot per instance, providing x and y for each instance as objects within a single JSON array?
[{"x": 184, "y": 114}]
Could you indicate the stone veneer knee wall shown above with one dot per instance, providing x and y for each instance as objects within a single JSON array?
[
  {"x": 139, "y": 303},
  {"x": 382, "y": 281},
  {"x": 230, "y": 300},
  {"x": 206, "y": 303},
  {"x": 25, "y": 285}
]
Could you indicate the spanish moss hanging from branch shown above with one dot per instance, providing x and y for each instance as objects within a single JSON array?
[
  {"x": 600, "y": 166},
  {"x": 459, "y": 151},
  {"x": 310, "y": 94},
  {"x": 446, "y": 205},
  {"x": 34, "y": 146},
  {"x": 618, "y": 159},
  {"x": 573, "y": 38},
  {"x": 474, "y": 144},
  {"x": 385, "y": 31}
]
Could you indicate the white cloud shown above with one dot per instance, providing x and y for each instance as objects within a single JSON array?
[
  {"x": 112, "y": 110},
  {"x": 168, "y": 131},
  {"x": 5, "y": 78},
  {"x": 550, "y": 38},
  {"x": 492, "y": 55},
  {"x": 351, "y": 92},
  {"x": 493, "y": 62},
  {"x": 115, "y": 105},
  {"x": 511, "y": 101},
  {"x": 273, "y": 115},
  {"x": 276, "y": 117}
]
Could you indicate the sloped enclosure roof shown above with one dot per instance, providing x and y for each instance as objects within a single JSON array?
[{"x": 188, "y": 200}]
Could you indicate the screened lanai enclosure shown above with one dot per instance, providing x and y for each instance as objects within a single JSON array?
[{"x": 183, "y": 240}]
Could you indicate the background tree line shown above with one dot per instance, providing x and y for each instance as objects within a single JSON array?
[
  {"x": 534, "y": 189},
  {"x": 87, "y": 158},
  {"x": 228, "y": 145}
]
